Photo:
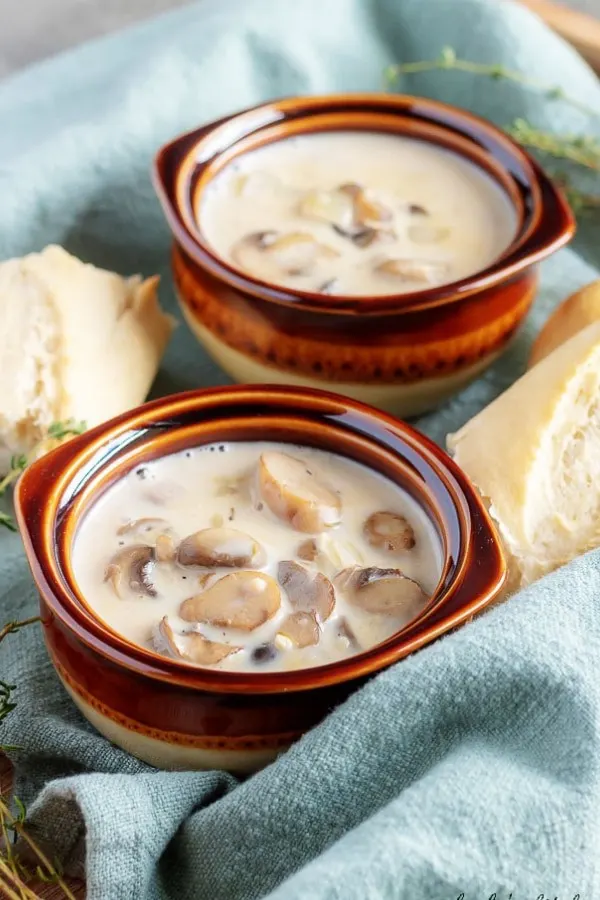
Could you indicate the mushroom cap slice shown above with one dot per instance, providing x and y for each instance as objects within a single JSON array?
[
  {"x": 145, "y": 528},
  {"x": 293, "y": 493},
  {"x": 386, "y": 592},
  {"x": 165, "y": 548},
  {"x": 307, "y": 591},
  {"x": 193, "y": 646},
  {"x": 154, "y": 531},
  {"x": 301, "y": 628},
  {"x": 131, "y": 570},
  {"x": 296, "y": 252},
  {"x": 389, "y": 531},
  {"x": 347, "y": 634},
  {"x": 213, "y": 547},
  {"x": 421, "y": 271},
  {"x": 369, "y": 210},
  {"x": 308, "y": 550},
  {"x": 242, "y": 600},
  {"x": 334, "y": 207},
  {"x": 269, "y": 254}
]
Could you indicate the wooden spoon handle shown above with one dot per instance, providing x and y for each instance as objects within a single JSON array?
[{"x": 579, "y": 29}]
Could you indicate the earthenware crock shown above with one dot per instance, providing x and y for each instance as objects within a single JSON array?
[
  {"x": 175, "y": 715},
  {"x": 404, "y": 353}
]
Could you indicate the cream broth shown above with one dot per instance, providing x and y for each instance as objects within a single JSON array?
[
  {"x": 358, "y": 213},
  {"x": 255, "y": 557}
]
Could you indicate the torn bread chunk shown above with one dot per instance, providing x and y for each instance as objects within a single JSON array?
[
  {"x": 77, "y": 343},
  {"x": 534, "y": 454}
]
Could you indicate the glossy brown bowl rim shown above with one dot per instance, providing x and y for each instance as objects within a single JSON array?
[
  {"x": 550, "y": 227},
  {"x": 47, "y": 479}
]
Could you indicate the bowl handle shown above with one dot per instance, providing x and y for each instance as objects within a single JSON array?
[
  {"x": 34, "y": 487},
  {"x": 555, "y": 227}
]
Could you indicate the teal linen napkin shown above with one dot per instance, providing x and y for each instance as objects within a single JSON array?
[{"x": 474, "y": 766}]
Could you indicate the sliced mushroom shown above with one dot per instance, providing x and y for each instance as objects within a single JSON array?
[
  {"x": 308, "y": 550},
  {"x": 242, "y": 600},
  {"x": 306, "y": 591},
  {"x": 131, "y": 570},
  {"x": 415, "y": 209},
  {"x": 260, "y": 239},
  {"x": 329, "y": 286},
  {"x": 269, "y": 254},
  {"x": 365, "y": 237},
  {"x": 362, "y": 237},
  {"x": 346, "y": 633},
  {"x": 389, "y": 531},
  {"x": 155, "y": 532},
  {"x": 422, "y": 271},
  {"x": 165, "y": 548},
  {"x": 214, "y": 547},
  {"x": 206, "y": 579},
  {"x": 297, "y": 252},
  {"x": 248, "y": 252},
  {"x": 369, "y": 210},
  {"x": 301, "y": 628},
  {"x": 386, "y": 592},
  {"x": 293, "y": 493},
  {"x": 144, "y": 526},
  {"x": 349, "y": 208},
  {"x": 426, "y": 233},
  {"x": 193, "y": 646},
  {"x": 334, "y": 207}
]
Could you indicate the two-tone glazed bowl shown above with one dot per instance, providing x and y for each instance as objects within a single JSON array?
[
  {"x": 400, "y": 352},
  {"x": 173, "y": 714}
]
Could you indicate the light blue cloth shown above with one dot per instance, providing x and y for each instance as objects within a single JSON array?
[{"x": 473, "y": 766}]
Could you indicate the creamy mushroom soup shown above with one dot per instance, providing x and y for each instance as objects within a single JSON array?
[
  {"x": 255, "y": 557},
  {"x": 359, "y": 213}
]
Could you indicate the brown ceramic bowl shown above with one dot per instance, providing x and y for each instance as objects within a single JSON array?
[
  {"x": 403, "y": 352},
  {"x": 175, "y": 715}
]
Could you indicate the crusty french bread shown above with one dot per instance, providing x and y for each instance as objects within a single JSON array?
[
  {"x": 575, "y": 313},
  {"x": 534, "y": 456},
  {"x": 75, "y": 342}
]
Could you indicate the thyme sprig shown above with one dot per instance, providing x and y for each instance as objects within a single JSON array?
[
  {"x": 58, "y": 431},
  {"x": 7, "y": 703},
  {"x": 448, "y": 60},
  {"x": 582, "y": 150},
  {"x": 15, "y": 876}
]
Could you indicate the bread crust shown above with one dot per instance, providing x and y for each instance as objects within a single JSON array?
[
  {"x": 94, "y": 344},
  {"x": 575, "y": 313},
  {"x": 502, "y": 448}
]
